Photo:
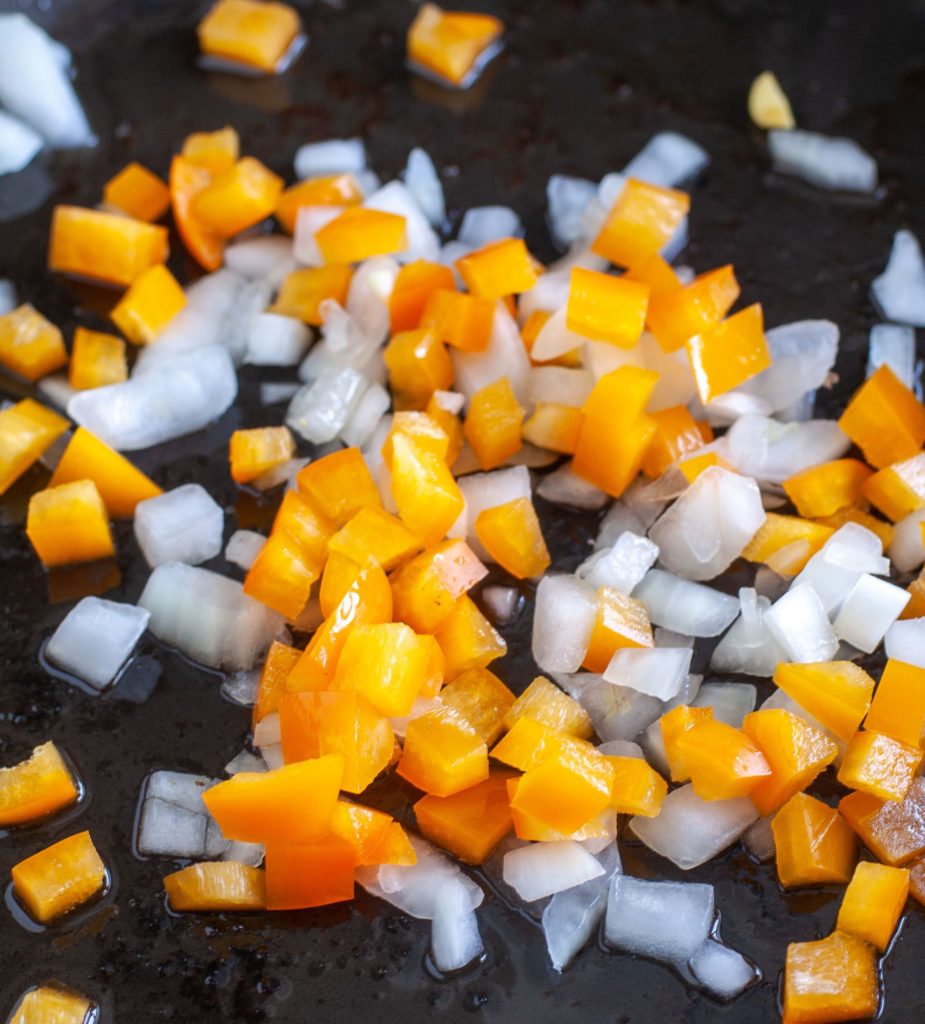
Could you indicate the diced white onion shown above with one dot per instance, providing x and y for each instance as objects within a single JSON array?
[
  {"x": 19, "y": 144},
  {"x": 320, "y": 410},
  {"x": 274, "y": 340},
  {"x": 722, "y": 971},
  {"x": 684, "y": 606},
  {"x": 563, "y": 619},
  {"x": 333, "y": 156},
  {"x": 424, "y": 184},
  {"x": 831, "y": 163},
  {"x": 622, "y": 566},
  {"x": 564, "y": 487},
  {"x": 566, "y": 199},
  {"x": 773, "y": 451},
  {"x": 484, "y": 224},
  {"x": 893, "y": 345},
  {"x": 182, "y": 525},
  {"x": 542, "y": 869},
  {"x": 661, "y": 920},
  {"x": 799, "y": 623},
  {"x": 656, "y": 671},
  {"x": 668, "y": 159},
  {"x": 455, "y": 939},
  {"x": 872, "y": 606}
]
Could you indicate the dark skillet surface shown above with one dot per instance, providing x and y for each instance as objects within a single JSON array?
[{"x": 581, "y": 87}]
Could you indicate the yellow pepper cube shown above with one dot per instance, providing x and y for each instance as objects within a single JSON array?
[
  {"x": 451, "y": 46},
  {"x": 422, "y": 429},
  {"x": 51, "y": 1005},
  {"x": 36, "y": 787},
  {"x": 97, "y": 359},
  {"x": 610, "y": 454},
  {"x": 836, "y": 693},
  {"x": 376, "y": 534},
  {"x": 302, "y": 292},
  {"x": 138, "y": 192},
  {"x": 512, "y": 535},
  {"x": 621, "y": 621},
  {"x": 827, "y": 488},
  {"x": 468, "y": 640},
  {"x": 786, "y": 542},
  {"x": 677, "y": 316},
  {"x": 606, "y": 308},
  {"x": 544, "y": 702},
  {"x": 892, "y": 830},
  {"x": 527, "y": 743},
  {"x": 282, "y": 575},
  {"x": 443, "y": 754},
  {"x": 339, "y": 485},
  {"x": 729, "y": 354},
  {"x": 493, "y": 424},
  {"x": 641, "y": 221},
  {"x": 217, "y": 887},
  {"x": 898, "y": 707},
  {"x": 885, "y": 419},
  {"x": 151, "y": 302},
  {"x": 440, "y": 408},
  {"x": 30, "y": 345},
  {"x": 459, "y": 320},
  {"x": 655, "y": 272},
  {"x": 814, "y": 845},
  {"x": 418, "y": 365},
  {"x": 672, "y": 725},
  {"x": 27, "y": 429},
  {"x": 876, "y": 763},
  {"x": 723, "y": 762},
  {"x": 554, "y": 426},
  {"x": 215, "y": 151},
  {"x": 360, "y": 233},
  {"x": 499, "y": 269},
  {"x": 834, "y": 979},
  {"x": 59, "y": 878},
  {"x": 331, "y": 190},
  {"x": 238, "y": 198},
  {"x": 482, "y": 700},
  {"x": 427, "y": 497},
  {"x": 469, "y": 824},
  {"x": 68, "y": 524},
  {"x": 416, "y": 283},
  {"x": 637, "y": 787},
  {"x": 425, "y": 590},
  {"x": 677, "y": 435},
  {"x": 253, "y": 452},
  {"x": 873, "y": 903},
  {"x": 256, "y": 33},
  {"x": 899, "y": 489},
  {"x": 387, "y": 663}
]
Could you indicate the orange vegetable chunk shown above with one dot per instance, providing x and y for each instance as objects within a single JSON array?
[
  {"x": 97, "y": 359},
  {"x": 498, "y": 269},
  {"x": 544, "y": 702},
  {"x": 153, "y": 299},
  {"x": 213, "y": 151},
  {"x": 643, "y": 218},
  {"x": 471, "y": 823},
  {"x": 27, "y": 429},
  {"x": 676, "y": 317},
  {"x": 468, "y": 640},
  {"x": 836, "y": 693},
  {"x": 527, "y": 743},
  {"x": 292, "y": 804},
  {"x": 422, "y": 429},
  {"x": 813, "y": 842},
  {"x": 339, "y": 485},
  {"x": 873, "y": 903},
  {"x": 459, "y": 320},
  {"x": 59, "y": 878},
  {"x": 915, "y": 609},
  {"x": 781, "y": 535},
  {"x": 512, "y": 535},
  {"x": 655, "y": 272},
  {"x": 68, "y": 523},
  {"x": 105, "y": 247},
  {"x": 426, "y": 588},
  {"x": 898, "y": 489},
  {"x": 450, "y": 44},
  {"x": 493, "y": 424},
  {"x": 376, "y": 837},
  {"x": 418, "y": 365},
  {"x": 606, "y": 308},
  {"x": 439, "y": 408},
  {"x": 252, "y": 452},
  {"x": 834, "y": 979},
  {"x": 36, "y": 787},
  {"x": 282, "y": 575},
  {"x": 302, "y": 292},
  {"x": 917, "y": 881},
  {"x": 331, "y": 190},
  {"x": 676, "y": 435},
  {"x": 898, "y": 707},
  {"x": 310, "y": 528},
  {"x": 827, "y": 488},
  {"x": 281, "y": 660},
  {"x": 637, "y": 787},
  {"x": 885, "y": 419},
  {"x": 621, "y": 621},
  {"x": 415, "y": 284},
  {"x": 376, "y": 534},
  {"x": 49, "y": 1004},
  {"x": 360, "y": 233},
  {"x": 893, "y": 830},
  {"x": 727, "y": 355},
  {"x": 722, "y": 761},
  {"x": 188, "y": 179},
  {"x": 217, "y": 886},
  {"x": 878, "y": 764},
  {"x": 673, "y": 724},
  {"x": 443, "y": 754},
  {"x": 601, "y": 826},
  {"x": 311, "y": 874},
  {"x": 138, "y": 192},
  {"x": 482, "y": 700},
  {"x": 427, "y": 497},
  {"x": 257, "y": 33},
  {"x": 385, "y": 662},
  {"x": 554, "y": 426},
  {"x": 238, "y": 198},
  {"x": 30, "y": 345}
]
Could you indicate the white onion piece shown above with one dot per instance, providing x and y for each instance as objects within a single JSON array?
[
  {"x": 653, "y": 743},
  {"x": 320, "y": 410},
  {"x": 668, "y": 159},
  {"x": 618, "y": 520},
  {"x": 174, "y": 821},
  {"x": 689, "y": 831},
  {"x": 190, "y": 330},
  {"x": 484, "y": 224},
  {"x": 245, "y": 761},
  {"x": 800, "y": 411},
  {"x": 252, "y": 299},
  {"x": 182, "y": 789},
  {"x": 272, "y": 755},
  {"x": 656, "y": 671},
  {"x": 309, "y": 221},
  {"x": 893, "y": 345},
  {"x": 749, "y": 647},
  {"x": 772, "y": 451},
  {"x": 333, "y": 156},
  {"x": 7, "y": 296},
  {"x": 872, "y": 606},
  {"x": 622, "y": 748},
  {"x": 56, "y": 388},
  {"x": 284, "y": 473},
  {"x": 676, "y": 384},
  {"x": 424, "y": 184},
  {"x": 690, "y": 686},
  {"x": 367, "y": 416},
  {"x": 560, "y": 385},
  {"x": 758, "y": 840},
  {"x": 730, "y": 702},
  {"x": 616, "y": 712},
  {"x": 177, "y": 397},
  {"x": 501, "y": 603},
  {"x": 803, "y": 354},
  {"x": 563, "y": 487},
  {"x": 268, "y": 256},
  {"x": 905, "y": 641},
  {"x": 669, "y": 638},
  {"x": 661, "y": 920},
  {"x": 600, "y": 357},
  {"x": 900, "y": 290},
  {"x": 684, "y": 606},
  {"x": 368, "y": 297},
  {"x": 267, "y": 730},
  {"x": 241, "y": 687},
  {"x": 555, "y": 338},
  {"x": 450, "y": 401},
  {"x": 726, "y": 409},
  {"x": 542, "y": 869},
  {"x": 505, "y": 356},
  {"x": 421, "y": 239},
  {"x": 182, "y": 525},
  {"x": 837, "y": 566},
  {"x": 455, "y": 939},
  {"x": 799, "y": 623},
  {"x": 645, "y": 499},
  {"x": 252, "y": 854},
  {"x": 907, "y": 551},
  {"x": 546, "y": 296},
  {"x": 621, "y": 567},
  {"x": 566, "y": 200},
  {"x": 274, "y": 340},
  {"x": 19, "y": 144},
  {"x": 830, "y": 163},
  {"x": 482, "y": 491},
  {"x": 95, "y": 639},
  {"x": 722, "y": 971},
  {"x": 208, "y": 617},
  {"x": 243, "y": 547},
  {"x": 563, "y": 619}
]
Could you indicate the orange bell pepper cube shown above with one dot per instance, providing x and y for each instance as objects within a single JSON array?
[
  {"x": 553, "y": 426},
  {"x": 292, "y": 804},
  {"x": 427, "y": 497},
  {"x": 730, "y": 353},
  {"x": 376, "y": 837},
  {"x": 442, "y": 753},
  {"x": 422, "y": 429},
  {"x": 451, "y": 45},
  {"x": 217, "y": 887},
  {"x": 893, "y": 830},
  {"x": 527, "y": 744},
  {"x": 339, "y": 573},
  {"x": 917, "y": 881},
  {"x": 256, "y": 33},
  {"x": 877, "y": 764},
  {"x": 311, "y": 529},
  {"x": 885, "y": 419},
  {"x": 899, "y": 489},
  {"x": 311, "y": 874},
  {"x": 482, "y": 700},
  {"x": 468, "y": 640},
  {"x": 493, "y": 424},
  {"x": 360, "y": 233},
  {"x": 448, "y": 421},
  {"x": 120, "y": 484},
  {"x": 722, "y": 761},
  {"x": 302, "y": 292},
  {"x": 68, "y": 524},
  {"x": 97, "y": 359},
  {"x": 339, "y": 485},
  {"x": 413, "y": 287},
  {"x": 544, "y": 702},
  {"x": 252, "y": 452},
  {"x": 673, "y": 724},
  {"x": 51, "y": 1005},
  {"x": 104, "y": 247},
  {"x": 676, "y": 317},
  {"x": 30, "y": 345},
  {"x": 282, "y": 575},
  {"x": 425, "y": 589},
  {"x": 138, "y": 192},
  {"x": 213, "y": 151},
  {"x": 469, "y": 824},
  {"x": 59, "y": 878},
  {"x": 530, "y": 829},
  {"x": 376, "y": 534},
  {"x": 637, "y": 787},
  {"x": 834, "y": 979},
  {"x": 827, "y": 488},
  {"x": 813, "y": 842},
  {"x": 460, "y": 320},
  {"x": 836, "y": 693},
  {"x": 641, "y": 221},
  {"x": 151, "y": 302},
  {"x": 915, "y": 609},
  {"x": 189, "y": 178},
  {"x": 332, "y": 190},
  {"x": 658, "y": 274},
  {"x": 898, "y": 707},
  {"x": 676, "y": 435},
  {"x": 36, "y": 787},
  {"x": 418, "y": 364},
  {"x": 796, "y": 751},
  {"x": 512, "y": 535},
  {"x": 621, "y": 622},
  {"x": 281, "y": 660},
  {"x": 790, "y": 538},
  {"x": 606, "y": 308},
  {"x": 27, "y": 429},
  {"x": 873, "y": 903},
  {"x": 693, "y": 465},
  {"x": 238, "y": 198},
  {"x": 499, "y": 269}
]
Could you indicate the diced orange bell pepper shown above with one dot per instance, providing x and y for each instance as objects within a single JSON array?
[
  {"x": 693, "y": 465},
  {"x": 676, "y": 435},
  {"x": 339, "y": 573},
  {"x": 915, "y": 609},
  {"x": 302, "y": 292},
  {"x": 298, "y": 517},
  {"x": 422, "y": 429},
  {"x": 655, "y": 272},
  {"x": 873, "y": 903},
  {"x": 105, "y": 247},
  {"x": 621, "y": 622},
  {"x": 813, "y": 842},
  {"x": 898, "y": 707},
  {"x": 534, "y": 323},
  {"x": 435, "y": 674},
  {"x": 27, "y": 429},
  {"x": 856, "y": 515},
  {"x": 606, "y": 308},
  {"x": 643, "y": 218},
  {"x": 427, "y": 497},
  {"x": 471, "y": 823},
  {"x": 789, "y": 536},
  {"x": 728, "y": 354},
  {"x": 339, "y": 485},
  {"x": 120, "y": 484},
  {"x": 893, "y": 830},
  {"x": 36, "y": 787},
  {"x": 153, "y": 299},
  {"x": 676, "y": 317},
  {"x": 282, "y": 575},
  {"x": 214, "y": 151},
  {"x": 418, "y": 365},
  {"x": 292, "y": 804},
  {"x": 544, "y": 702},
  {"x": 449, "y": 423},
  {"x": 673, "y": 724},
  {"x": 376, "y": 837},
  {"x": 449, "y": 44},
  {"x": 189, "y": 178},
  {"x": 376, "y": 534},
  {"x": 49, "y": 1004},
  {"x": 796, "y": 751},
  {"x": 835, "y": 693},
  {"x": 332, "y": 190},
  {"x": 385, "y": 662},
  {"x": 97, "y": 359},
  {"x": 238, "y": 198},
  {"x": 252, "y": 452},
  {"x": 59, "y": 878},
  {"x": 443, "y": 754},
  {"x": 917, "y": 881},
  {"x": 360, "y": 233},
  {"x": 217, "y": 886},
  {"x": 885, "y": 419},
  {"x": 415, "y": 284},
  {"x": 530, "y": 829},
  {"x": 281, "y": 660},
  {"x": 460, "y": 320},
  {"x": 68, "y": 524},
  {"x": 499, "y": 269},
  {"x": 722, "y": 761},
  {"x": 482, "y": 700},
  {"x": 468, "y": 640},
  {"x": 899, "y": 489},
  {"x": 257, "y": 33},
  {"x": 138, "y": 192},
  {"x": 554, "y": 426},
  {"x": 425, "y": 590},
  {"x": 512, "y": 535},
  {"x": 834, "y": 979},
  {"x": 827, "y": 488},
  {"x": 878, "y": 764},
  {"x": 637, "y": 787},
  {"x": 311, "y": 874},
  {"x": 30, "y": 345},
  {"x": 621, "y": 394},
  {"x": 527, "y": 744}
]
